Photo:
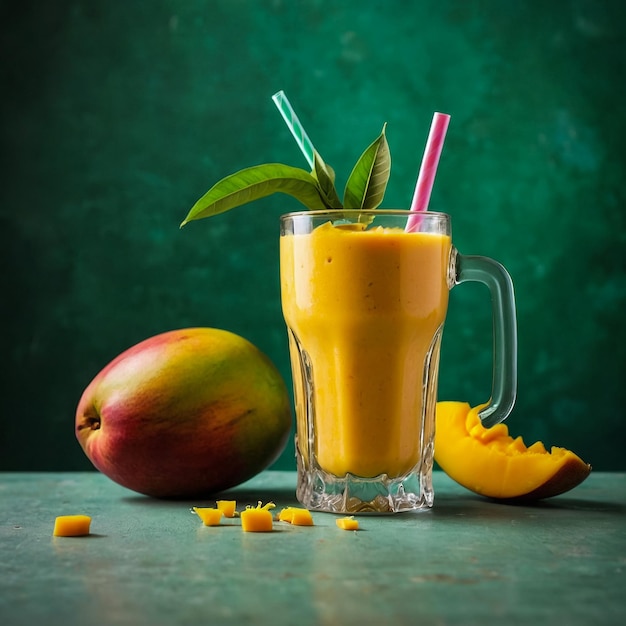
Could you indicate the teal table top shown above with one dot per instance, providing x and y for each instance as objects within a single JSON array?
[{"x": 466, "y": 561}]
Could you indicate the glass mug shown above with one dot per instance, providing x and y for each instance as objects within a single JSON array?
[{"x": 365, "y": 302}]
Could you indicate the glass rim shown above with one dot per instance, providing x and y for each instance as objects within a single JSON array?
[{"x": 387, "y": 212}]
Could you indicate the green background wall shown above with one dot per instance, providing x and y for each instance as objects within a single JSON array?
[{"x": 117, "y": 116}]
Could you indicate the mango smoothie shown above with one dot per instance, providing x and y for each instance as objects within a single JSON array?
[{"x": 365, "y": 311}]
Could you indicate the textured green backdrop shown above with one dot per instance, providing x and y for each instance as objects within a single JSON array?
[{"x": 117, "y": 116}]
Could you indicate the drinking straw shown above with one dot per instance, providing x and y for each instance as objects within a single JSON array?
[
  {"x": 294, "y": 125},
  {"x": 428, "y": 168}
]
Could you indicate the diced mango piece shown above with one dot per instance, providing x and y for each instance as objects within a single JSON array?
[
  {"x": 285, "y": 515},
  {"x": 227, "y": 507},
  {"x": 71, "y": 525},
  {"x": 348, "y": 523},
  {"x": 257, "y": 520},
  {"x": 209, "y": 516},
  {"x": 296, "y": 516}
]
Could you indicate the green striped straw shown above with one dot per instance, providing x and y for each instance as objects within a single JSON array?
[{"x": 294, "y": 125}]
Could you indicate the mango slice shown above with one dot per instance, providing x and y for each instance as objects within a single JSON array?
[
  {"x": 257, "y": 520},
  {"x": 209, "y": 516},
  {"x": 491, "y": 463},
  {"x": 296, "y": 516},
  {"x": 71, "y": 525},
  {"x": 347, "y": 523}
]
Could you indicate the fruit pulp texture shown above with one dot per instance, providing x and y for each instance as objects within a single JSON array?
[{"x": 367, "y": 308}]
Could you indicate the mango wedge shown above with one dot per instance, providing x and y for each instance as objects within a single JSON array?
[{"x": 489, "y": 462}]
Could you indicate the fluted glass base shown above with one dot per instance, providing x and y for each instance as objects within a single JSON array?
[{"x": 320, "y": 491}]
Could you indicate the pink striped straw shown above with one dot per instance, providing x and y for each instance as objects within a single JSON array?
[{"x": 428, "y": 169}]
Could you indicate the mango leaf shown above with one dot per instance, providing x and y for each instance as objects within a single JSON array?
[
  {"x": 367, "y": 183},
  {"x": 325, "y": 176},
  {"x": 257, "y": 182}
]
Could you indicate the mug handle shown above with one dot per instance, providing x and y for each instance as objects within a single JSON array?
[{"x": 504, "y": 386}]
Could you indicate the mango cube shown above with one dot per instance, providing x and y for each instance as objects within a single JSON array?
[
  {"x": 227, "y": 507},
  {"x": 257, "y": 520},
  {"x": 209, "y": 516},
  {"x": 296, "y": 516},
  {"x": 348, "y": 523},
  {"x": 71, "y": 526}
]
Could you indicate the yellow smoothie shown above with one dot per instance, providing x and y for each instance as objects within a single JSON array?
[{"x": 365, "y": 310}]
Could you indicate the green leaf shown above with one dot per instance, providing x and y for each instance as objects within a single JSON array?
[
  {"x": 257, "y": 182},
  {"x": 325, "y": 176},
  {"x": 367, "y": 183}
]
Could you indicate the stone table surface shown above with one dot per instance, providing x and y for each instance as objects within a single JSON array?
[{"x": 466, "y": 561}]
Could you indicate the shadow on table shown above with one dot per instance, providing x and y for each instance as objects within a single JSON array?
[
  {"x": 474, "y": 505},
  {"x": 245, "y": 495},
  {"x": 446, "y": 506}
]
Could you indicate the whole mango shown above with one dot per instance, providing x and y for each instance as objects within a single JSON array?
[{"x": 185, "y": 413}]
